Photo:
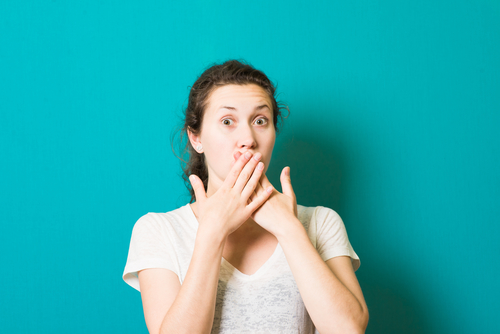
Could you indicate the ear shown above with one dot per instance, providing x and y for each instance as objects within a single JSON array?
[{"x": 195, "y": 141}]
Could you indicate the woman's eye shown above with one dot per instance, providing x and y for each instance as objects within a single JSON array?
[
  {"x": 227, "y": 121},
  {"x": 260, "y": 121}
]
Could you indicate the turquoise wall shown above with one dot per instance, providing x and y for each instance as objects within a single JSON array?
[{"x": 395, "y": 119}]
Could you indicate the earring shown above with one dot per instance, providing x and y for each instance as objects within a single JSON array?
[{"x": 199, "y": 148}]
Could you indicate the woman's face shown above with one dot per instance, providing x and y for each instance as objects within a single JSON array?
[{"x": 238, "y": 118}]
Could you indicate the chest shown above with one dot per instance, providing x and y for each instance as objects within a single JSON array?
[
  {"x": 249, "y": 254},
  {"x": 268, "y": 301}
]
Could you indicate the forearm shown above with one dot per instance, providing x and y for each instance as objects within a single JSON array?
[
  {"x": 193, "y": 308},
  {"x": 332, "y": 307}
]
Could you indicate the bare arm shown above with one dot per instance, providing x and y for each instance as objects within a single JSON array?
[
  {"x": 330, "y": 291},
  {"x": 170, "y": 307}
]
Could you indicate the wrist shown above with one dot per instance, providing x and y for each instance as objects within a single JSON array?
[
  {"x": 291, "y": 229},
  {"x": 210, "y": 235}
]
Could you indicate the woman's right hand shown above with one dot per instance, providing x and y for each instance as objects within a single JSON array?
[{"x": 230, "y": 206}]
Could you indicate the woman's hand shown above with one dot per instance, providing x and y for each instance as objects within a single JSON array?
[
  {"x": 230, "y": 206},
  {"x": 280, "y": 209}
]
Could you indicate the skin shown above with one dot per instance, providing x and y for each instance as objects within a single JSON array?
[
  {"x": 238, "y": 119},
  {"x": 242, "y": 218}
]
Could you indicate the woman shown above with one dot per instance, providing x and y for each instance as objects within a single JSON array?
[{"x": 243, "y": 257}]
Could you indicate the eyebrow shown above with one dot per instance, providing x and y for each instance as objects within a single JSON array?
[{"x": 256, "y": 108}]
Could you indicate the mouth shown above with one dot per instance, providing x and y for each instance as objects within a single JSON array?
[{"x": 238, "y": 154}]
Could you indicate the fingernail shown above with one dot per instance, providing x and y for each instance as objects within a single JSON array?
[
  {"x": 248, "y": 155},
  {"x": 257, "y": 156},
  {"x": 191, "y": 178},
  {"x": 287, "y": 171},
  {"x": 269, "y": 189},
  {"x": 260, "y": 165}
]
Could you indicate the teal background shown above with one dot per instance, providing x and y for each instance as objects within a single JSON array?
[{"x": 395, "y": 115}]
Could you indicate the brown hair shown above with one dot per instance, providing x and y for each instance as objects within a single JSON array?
[{"x": 231, "y": 72}]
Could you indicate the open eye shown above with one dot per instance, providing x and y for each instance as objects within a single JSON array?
[
  {"x": 260, "y": 121},
  {"x": 227, "y": 121}
]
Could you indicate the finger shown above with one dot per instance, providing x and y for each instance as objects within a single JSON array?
[
  {"x": 257, "y": 191},
  {"x": 258, "y": 188},
  {"x": 251, "y": 186},
  {"x": 236, "y": 156},
  {"x": 260, "y": 199},
  {"x": 247, "y": 172},
  {"x": 265, "y": 181},
  {"x": 263, "y": 184},
  {"x": 236, "y": 170},
  {"x": 252, "y": 197},
  {"x": 286, "y": 183},
  {"x": 198, "y": 188}
]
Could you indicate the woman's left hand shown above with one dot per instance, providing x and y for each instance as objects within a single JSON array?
[{"x": 280, "y": 209}]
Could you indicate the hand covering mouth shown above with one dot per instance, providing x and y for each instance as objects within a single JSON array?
[{"x": 238, "y": 154}]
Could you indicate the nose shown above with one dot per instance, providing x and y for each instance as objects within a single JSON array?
[{"x": 246, "y": 138}]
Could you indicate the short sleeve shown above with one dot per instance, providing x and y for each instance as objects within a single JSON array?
[
  {"x": 331, "y": 236},
  {"x": 149, "y": 248}
]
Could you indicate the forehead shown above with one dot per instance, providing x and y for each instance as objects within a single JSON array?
[{"x": 238, "y": 96}]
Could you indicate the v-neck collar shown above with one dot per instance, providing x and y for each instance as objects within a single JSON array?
[
  {"x": 261, "y": 271},
  {"x": 228, "y": 266}
]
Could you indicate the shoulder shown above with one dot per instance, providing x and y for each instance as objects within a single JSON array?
[
  {"x": 161, "y": 240},
  {"x": 159, "y": 221},
  {"x": 317, "y": 215},
  {"x": 165, "y": 227},
  {"x": 327, "y": 232},
  {"x": 321, "y": 222}
]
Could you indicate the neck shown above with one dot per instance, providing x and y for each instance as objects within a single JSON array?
[
  {"x": 248, "y": 229},
  {"x": 212, "y": 187}
]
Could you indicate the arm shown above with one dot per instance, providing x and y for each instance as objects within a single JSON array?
[
  {"x": 170, "y": 307},
  {"x": 330, "y": 291}
]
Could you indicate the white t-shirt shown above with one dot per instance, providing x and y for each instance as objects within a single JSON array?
[{"x": 267, "y": 301}]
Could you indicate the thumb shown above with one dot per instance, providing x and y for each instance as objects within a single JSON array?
[
  {"x": 198, "y": 188},
  {"x": 286, "y": 183}
]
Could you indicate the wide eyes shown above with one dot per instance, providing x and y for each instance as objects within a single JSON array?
[{"x": 259, "y": 121}]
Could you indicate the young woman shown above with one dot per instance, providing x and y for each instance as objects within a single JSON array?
[{"x": 242, "y": 257}]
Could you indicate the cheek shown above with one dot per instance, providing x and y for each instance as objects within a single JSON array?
[
  {"x": 212, "y": 140},
  {"x": 219, "y": 153},
  {"x": 271, "y": 141},
  {"x": 268, "y": 149}
]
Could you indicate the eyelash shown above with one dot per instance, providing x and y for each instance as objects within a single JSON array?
[
  {"x": 230, "y": 120},
  {"x": 262, "y": 118}
]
